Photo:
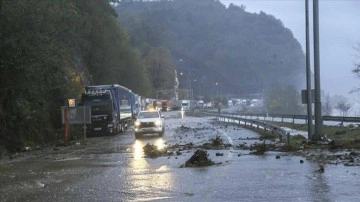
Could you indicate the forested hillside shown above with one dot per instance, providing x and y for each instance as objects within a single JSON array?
[
  {"x": 49, "y": 51},
  {"x": 242, "y": 52}
]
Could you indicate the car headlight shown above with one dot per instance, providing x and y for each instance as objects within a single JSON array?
[
  {"x": 158, "y": 123},
  {"x": 137, "y": 123}
]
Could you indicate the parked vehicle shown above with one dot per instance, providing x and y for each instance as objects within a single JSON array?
[
  {"x": 181, "y": 105},
  {"x": 149, "y": 122},
  {"x": 167, "y": 105},
  {"x": 103, "y": 116},
  {"x": 185, "y": 104},
  {"x": 123, "y": 110}
]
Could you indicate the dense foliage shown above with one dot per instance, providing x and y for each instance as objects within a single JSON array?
[
  {"x": 160, "y": 68},
  {"x": 49, "y": 51},
  {"x": 240, "y": 51},
  {"x": 283, "y": 99}
]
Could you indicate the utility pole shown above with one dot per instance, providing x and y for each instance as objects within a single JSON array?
[
  {"x": 176, "y": 86},
  {"x": 189, "y": 80},
  {"x": 1, "y": 20},
  {"x": 308, "y": 72},
  {"x": 318, "y": 119}
]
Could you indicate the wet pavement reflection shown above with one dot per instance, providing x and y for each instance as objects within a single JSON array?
[{"x": 115, "y": 169}]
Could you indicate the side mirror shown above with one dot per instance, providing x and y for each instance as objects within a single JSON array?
[{"x": 162, "y": 116}]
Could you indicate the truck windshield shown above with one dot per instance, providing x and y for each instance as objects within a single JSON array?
[{"x": 97, "y": 101}]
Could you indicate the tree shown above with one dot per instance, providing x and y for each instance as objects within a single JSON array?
[
  {"x": 53, "y": 49},
  {"x": 327, "y": 106},
  {"x": 283, "y": 100},
  {"x": 243, "y": 51},
  {"x": 356, "y": 70},
  {"x": 343, "y": 107},
  {"x": 160, "y": 68}
]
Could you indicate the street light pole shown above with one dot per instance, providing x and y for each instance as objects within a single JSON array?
[
  {"x": 318, "y": 119},
  {"x": 217, "y": 89},
  {"x": 189, "y": 80},
  {"x": 308, "y": 72}
]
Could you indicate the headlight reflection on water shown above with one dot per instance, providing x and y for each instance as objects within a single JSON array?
[
  {"x": 153, "y": 186},
  {"x": 160, "y": 144},
  {"x": 138, "y": 147},
  {"x": 151, "y": 179},
  {"x": 138, "y": 150}
]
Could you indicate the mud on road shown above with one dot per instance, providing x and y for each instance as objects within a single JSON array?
[{"x": 65, "y": 171}]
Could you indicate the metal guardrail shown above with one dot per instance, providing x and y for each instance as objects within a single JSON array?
[
  {"x": 339, "y": 119},
  {"x": 283, "y": 134}
]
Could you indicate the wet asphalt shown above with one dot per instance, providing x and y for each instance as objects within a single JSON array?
[{"x": 114, "y": 168}]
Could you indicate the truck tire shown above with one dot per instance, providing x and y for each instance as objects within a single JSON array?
[
  {"x": 118, "y": 128},
  {"x": 121, "y": 128},
  {"x": 111, "y": 132},
  {"x": 114, "y": 131}
]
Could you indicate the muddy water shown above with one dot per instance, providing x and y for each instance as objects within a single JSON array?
[
  {"x": 116, "y": 170},
  {"x": 241, "y": 178}
]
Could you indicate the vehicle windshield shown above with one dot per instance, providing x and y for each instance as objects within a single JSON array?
[
  {"x": 97, "y": 101},
  {"x": 148, "y": 115}
]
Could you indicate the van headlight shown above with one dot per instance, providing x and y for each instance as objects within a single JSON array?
[{"x": 137, "y": 123}]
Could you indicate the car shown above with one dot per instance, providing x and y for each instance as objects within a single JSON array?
[{"x": 148, "y": 122}]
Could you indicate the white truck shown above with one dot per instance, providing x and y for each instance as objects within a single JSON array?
[
  {"x": 185, "y": 104},
  {"x": 181, "y": 105}
]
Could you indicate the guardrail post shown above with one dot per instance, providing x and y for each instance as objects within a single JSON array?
[{"x": 288, "y": 138}]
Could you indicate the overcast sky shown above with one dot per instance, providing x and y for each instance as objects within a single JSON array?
[{"x": 339, "y": 34}]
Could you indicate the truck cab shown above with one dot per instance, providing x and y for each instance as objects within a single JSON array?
[{"x": 103, "y": 114}]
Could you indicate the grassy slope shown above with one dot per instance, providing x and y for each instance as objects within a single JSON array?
[{"x": 346, "y": 136}]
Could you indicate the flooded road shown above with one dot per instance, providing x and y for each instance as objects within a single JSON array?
[{"x": 114, "y": 169}]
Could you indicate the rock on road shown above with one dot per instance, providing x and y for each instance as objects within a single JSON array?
[{"x": 114, "y": 168}]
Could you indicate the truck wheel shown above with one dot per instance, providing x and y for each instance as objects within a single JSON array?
[
  {"x": 114, "y": 131},
  {"x": 121, "y": 128},
  {"x": 111, "y": 132},
  {"x": 118, "y": 128}
]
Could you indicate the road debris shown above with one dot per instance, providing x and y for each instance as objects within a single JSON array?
[
  {"x": 199, "y": 159},
  {"x": 152, "y": 151}
]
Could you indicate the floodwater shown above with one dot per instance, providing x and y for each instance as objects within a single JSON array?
[{"x": 115, "y": 169}]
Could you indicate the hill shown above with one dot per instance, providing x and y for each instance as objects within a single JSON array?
[{"x": 225, "y": 50}]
